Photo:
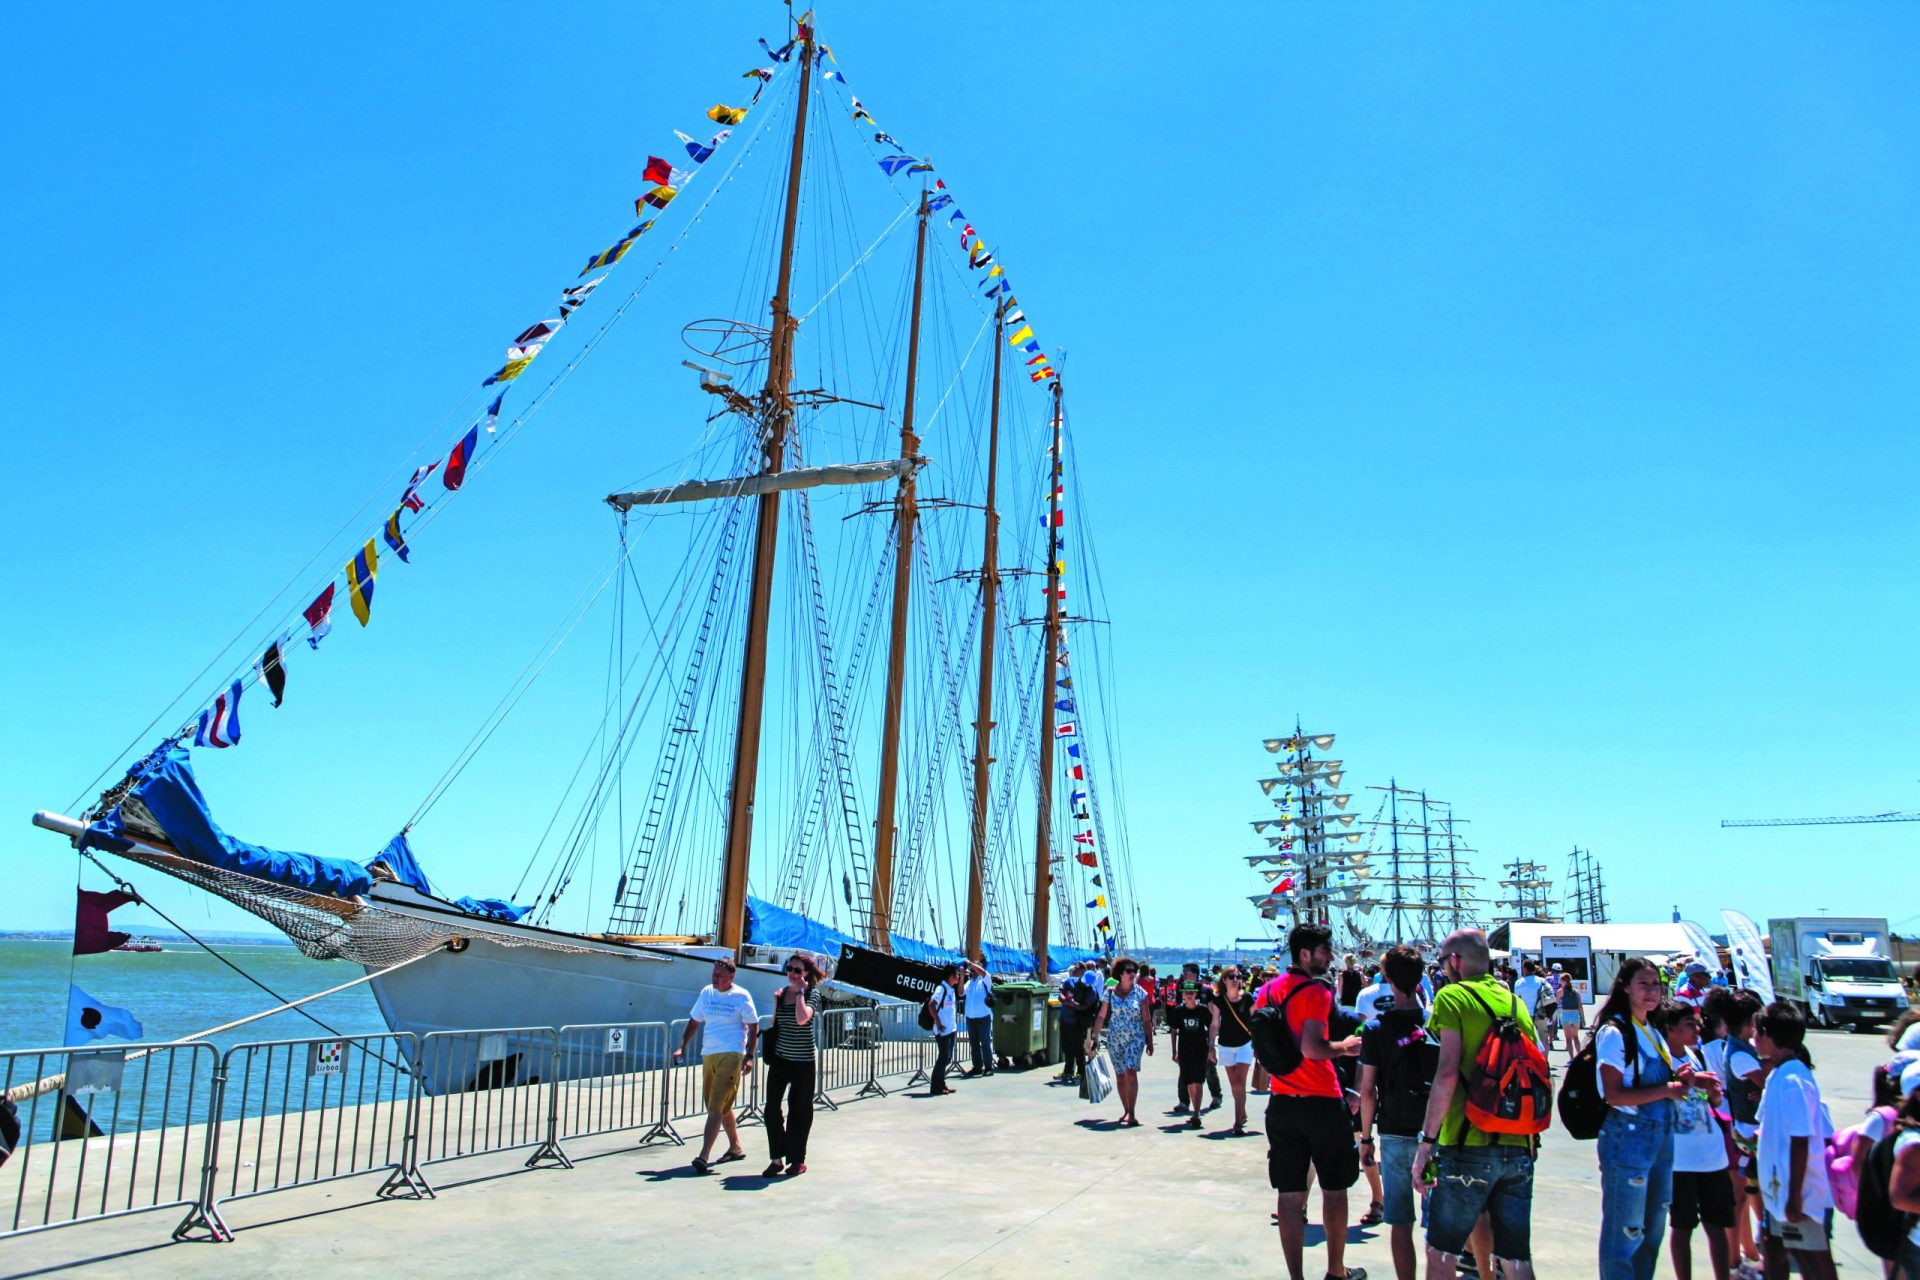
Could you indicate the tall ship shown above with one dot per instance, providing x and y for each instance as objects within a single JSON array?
[
  {"x": 1400, "y": 876},
  {"x": 822, "y": 692}
]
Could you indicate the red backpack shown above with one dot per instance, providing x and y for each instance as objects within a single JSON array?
[{"x": 1511, "y": 1089}]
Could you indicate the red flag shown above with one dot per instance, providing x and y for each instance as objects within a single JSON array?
[
  {"x": 319, "y": 621},
  {"x": 456, "y": 473},
  {"x": 1084, "y": 837},
  {"x": 1086, "y": 859},
  {"x": 659, "y": 172},
  {"x": 91, "y": 936},
  {"x": 1105, "y": 923},
  {"x": 1079, "y": 774}
]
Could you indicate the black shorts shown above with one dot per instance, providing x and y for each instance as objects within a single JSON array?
[
  {"x": 1310, "y": 1131},
  {"x": 1193, "y": 1068},
  {"x": 1702, "y": 1198}
]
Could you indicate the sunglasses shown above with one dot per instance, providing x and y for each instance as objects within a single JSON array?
[{"x": 797, "y": 969}]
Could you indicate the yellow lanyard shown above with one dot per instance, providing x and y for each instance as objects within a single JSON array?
[{"x": 1659, "y": 1042}]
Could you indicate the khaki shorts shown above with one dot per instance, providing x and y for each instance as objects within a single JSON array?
[{"x": 720, "y": 1080}]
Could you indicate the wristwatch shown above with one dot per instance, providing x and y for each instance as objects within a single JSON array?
[{"x": 1427, "y": 1140}]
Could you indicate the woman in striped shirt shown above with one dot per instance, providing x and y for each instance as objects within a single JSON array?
[{"x": 790, "y": 1067}]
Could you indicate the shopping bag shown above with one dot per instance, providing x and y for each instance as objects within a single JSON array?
[{"x": 1099, "y": 1077}]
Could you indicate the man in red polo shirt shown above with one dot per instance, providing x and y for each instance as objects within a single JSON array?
[{"x": 1307, "y": 1120}]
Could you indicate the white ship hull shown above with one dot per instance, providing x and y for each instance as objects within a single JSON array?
[{"x": 497, "y": 981}]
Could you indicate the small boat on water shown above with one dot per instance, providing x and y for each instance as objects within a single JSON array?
[{"x": 140, "y": 944}]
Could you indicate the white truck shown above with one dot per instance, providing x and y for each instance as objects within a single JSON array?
[{"x": 1838, "y": 968}]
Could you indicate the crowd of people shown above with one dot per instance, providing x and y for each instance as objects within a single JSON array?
[{"x": 1713, "y": 1120}]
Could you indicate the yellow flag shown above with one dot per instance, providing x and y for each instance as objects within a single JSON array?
[
  {"x": 720, "y": 113},
  {"x": 1025, "y": 334}
]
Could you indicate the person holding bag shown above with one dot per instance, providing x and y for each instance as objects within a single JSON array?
[
  {"x": 943, "y": 1005},
  {"x": 790, "y": 1067}
]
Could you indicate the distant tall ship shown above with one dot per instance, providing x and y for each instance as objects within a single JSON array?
[{"x": 920, "y": 752}]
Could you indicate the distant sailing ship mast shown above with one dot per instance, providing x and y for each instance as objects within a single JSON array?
[
  {"x": 1530, "y": 893},
  {"x": 1459, "y": 896},
  {"x": 1311, "y": 870},
  {"x": 1587, "y": 898}
]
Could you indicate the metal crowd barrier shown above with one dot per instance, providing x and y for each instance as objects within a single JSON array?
[
  {"x": 485, "y": 1091},
  {"x": 295, "y": 1112},
  {"x": 608, "y": 1078},
  {"x": 129, "y": 1129},
  {"x": 107, "y": 1132}
]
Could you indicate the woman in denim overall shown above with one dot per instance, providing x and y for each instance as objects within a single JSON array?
[{"x": 1640, "y": 1084}]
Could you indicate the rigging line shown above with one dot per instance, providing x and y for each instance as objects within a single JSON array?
[
  {"x": 250, "y": 675},
  {"x": 859, "y": 262},
  {"x": 518, "y": 689},
  {"x": 127, "y": 887}
]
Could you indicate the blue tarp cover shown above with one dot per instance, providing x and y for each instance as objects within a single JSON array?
[
  {"x": 398, "y": 855},
  {"x": 167, "y": 788},
  {"x": 771, "y": 926}
]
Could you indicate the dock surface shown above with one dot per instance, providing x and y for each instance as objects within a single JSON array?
[{"x": 1011, "y": 1177}]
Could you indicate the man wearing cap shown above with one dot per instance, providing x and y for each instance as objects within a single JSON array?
[
  {"x": 1694, "y": 990},
  {"x": 1190, "y": 1025},
  {"x": 1190, "y": 972}
]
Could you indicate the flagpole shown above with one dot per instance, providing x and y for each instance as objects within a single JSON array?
[
  {"x": 777, "y": 406},
  {"x": 989, "y": 620},
  {"x": 886, "y": 830},
  {"x": 1050, "y": 675}
]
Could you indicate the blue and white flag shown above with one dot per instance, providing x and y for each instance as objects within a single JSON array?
[
  {"x": 89, "y": 1019},
  {"x": 220, "y": 723},
  {"x": 891, "y": 165}
]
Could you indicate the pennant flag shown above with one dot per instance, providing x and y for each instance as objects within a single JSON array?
[
  {"x": 274, "y": 672},
  {"x": 1086, "y": 859},
  {"x": 1078, "y": 797},
  {"x": 319, "y": 616},
  {"x": 89, "y": 1019},
  {"x": 860, "y": 113},
  {"x": 219, "y": 724},
  {"x": 493, "y": 417},
  {"x": 781, "y": 54},
  {"x": 360, "y": 574},
  {"x": 956, "y": 216},
  {"x": 518, "y": 358},
  {"x": 762, "y": 74},
  {"x": 888, "y": 139},
  {"x": 92, "y": 935},
  {"x": 411, "y": 500},
  {"x": 1000, "y": 287},
  {"x": 456, "y": 473},
  {"x": 1104, "y": 923},
  {"x": 658, "y": 198},
  {"x": 1065, "y": 682},
  {"x": 1073, "y": 749},
  {"x": 1025, "y": 335},
  {"x": 395, "y": 540},
  {"x": 1093, "y": 904},
  {"x": 1038, "y": 359},
  {"x": 657, "y": 171},
  {"x": 892, "y": 165},
  {"x": 720, "y": 113},
  {"x": 831, "y": 75},
  {"x": 1014, "y": 316},
  {"x": 1064, "y": 706},
  {"x": 535, "y": 334},
  {"x": 979, "y": 257},
  {"x": 1096, "y": 880},
  {"x": 702, "y": 152},
  {"x": 613, "y": 253}
]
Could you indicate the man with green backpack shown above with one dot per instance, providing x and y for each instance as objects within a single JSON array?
[{"x": 1483, "y": 1162}]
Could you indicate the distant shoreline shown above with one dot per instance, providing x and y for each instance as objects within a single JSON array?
[{"x": 158, "y": 935}]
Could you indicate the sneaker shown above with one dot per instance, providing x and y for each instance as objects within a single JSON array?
[
  {"x": 1194, "y": 1123},
  {"x": 1180, "y": 1110}
]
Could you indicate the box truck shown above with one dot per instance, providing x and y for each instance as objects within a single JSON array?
[{"x": 1837, "y": 968}]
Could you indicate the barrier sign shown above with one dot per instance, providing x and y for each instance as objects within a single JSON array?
[
  {"x": 616, "y": 1039},
  {"x": 96, "y": 1072},
  {"x": 327, "y": 1058}
]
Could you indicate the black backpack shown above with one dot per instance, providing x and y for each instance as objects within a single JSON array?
[
  {"x": 1407, "y": 1079},
  {"x": 1274, "y": 1044},
  {"x": 1883, "y": 1228},
  {"x": 1583, "y": 1109}
]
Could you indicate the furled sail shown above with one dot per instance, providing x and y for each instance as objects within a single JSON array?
[{"x": 774, "y": 482}]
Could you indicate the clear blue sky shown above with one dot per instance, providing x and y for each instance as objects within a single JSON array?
[{"x": 1526, "y": 395}]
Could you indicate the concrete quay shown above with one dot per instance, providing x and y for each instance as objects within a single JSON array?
[{"x": 1011, "y": 1177}]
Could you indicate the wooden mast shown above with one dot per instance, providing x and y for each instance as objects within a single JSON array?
[
  {"x": 989, "y": 618},
  {"x": 1049, "y": 692},
  {"x": 777, "y": 407},
  {"x": 886, "y": 832}
]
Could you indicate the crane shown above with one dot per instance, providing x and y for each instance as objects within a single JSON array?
[{"x": 1901, "y": 816}]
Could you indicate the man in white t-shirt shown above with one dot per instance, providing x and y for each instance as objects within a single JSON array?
[
  {"x": 979, "y": 1010},
  {"x": 1702, "y": 1192},
  {"x": 729, "y": 1027},
  {"x": 1528, "y": 990},
  {"x": 1790, "y": 1160}
]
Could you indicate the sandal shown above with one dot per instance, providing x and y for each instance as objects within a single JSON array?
[
  {"x": 774, "y": 1170},
  {"x": 702, "y": 1165},
  {"x": 1375, "y": 1215},
  {"x": 731, "y": 1156}
]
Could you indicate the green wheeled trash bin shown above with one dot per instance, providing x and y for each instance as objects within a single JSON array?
[
  {"x": 1051, "y": 1054},
  {"x": 1019, "y": 1022}
]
